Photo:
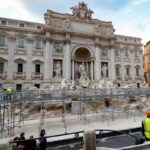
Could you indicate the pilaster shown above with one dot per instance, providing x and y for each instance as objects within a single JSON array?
[
  {"x": 67, "y": 60},
  {"x": 48, "y": 64},
  {"x": 97, "y": 60},
  {"x": 11, "y": 51},
  {"x": 111, "y": 70},
  {"x": 29, "y": 65}
]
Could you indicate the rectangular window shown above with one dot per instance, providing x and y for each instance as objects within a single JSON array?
[
  {"x": 38, "y": 44},
  {"x": 21, "y": 25},
  {"x": 37, "y": 68},
  {"x": 126, "y": 54},
  {"x": 136, "y": 53},
  {"x": 116, "y": 53},
  {"x": 117, "y": 71},
  {"x": 2, "y": 41},
  {"x": 38, "y": 27},
  {"x": 1, "y": 68},
  {"x": 20, "y": 68},
  {"x": 21, "y": 43},
  {"x": 128, "y": 71},
  {"x": 137, "y": 71},
  {"x": 18, "y": 87},
  {"x": 3, "y": 22}
]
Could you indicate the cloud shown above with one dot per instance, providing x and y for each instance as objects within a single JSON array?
[
  {"x": 132, "y": 29},
  {"x": 139, "y": 2},
  {"x": 16, "y": 10},
  {"x": 129, "y": 17}
]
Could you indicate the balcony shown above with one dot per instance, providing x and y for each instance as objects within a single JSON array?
[
  {"x": 20, "y": 51},
  {"x": 37, "y": 76},
  {"x": 127, "y": 59},
  {"x": 37, "y": 52},
  {"x": 138, "y": 77},
  {"x": 4, "y": 49},
  {"x": 118, "y": 77},
  {"x": 3, "y": 75},
  {"x": 117, "y": 59},
  {"x": 137, "y": 60},
  {"x": 128, "y": 77},
  {"x": 19, "y": 75}
]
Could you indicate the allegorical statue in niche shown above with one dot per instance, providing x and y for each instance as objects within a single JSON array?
[
  {"x": 57, "y": 70},
  {"x": 83, "y": 80},
  {"x": 104, "y": 70}
]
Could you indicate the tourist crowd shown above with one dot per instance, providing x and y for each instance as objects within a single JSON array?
[{"x": 21, "y": 143}]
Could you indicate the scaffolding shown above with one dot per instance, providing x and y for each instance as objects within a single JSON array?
[{"x": 103, "y": 103}]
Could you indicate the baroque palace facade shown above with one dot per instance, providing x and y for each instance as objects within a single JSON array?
[
  {"x": 147, "y": 62},
  {"x": 35, "y": 54}
]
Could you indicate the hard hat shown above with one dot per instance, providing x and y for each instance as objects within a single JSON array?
[{"x": 148, "y": 113}]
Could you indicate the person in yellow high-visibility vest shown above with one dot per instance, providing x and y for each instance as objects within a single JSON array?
[
  {"x": 9, "y": 92},
  {"x": 146, "y": 126}
]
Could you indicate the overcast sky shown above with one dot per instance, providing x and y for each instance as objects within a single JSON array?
[{"x": 129, "y": 17}]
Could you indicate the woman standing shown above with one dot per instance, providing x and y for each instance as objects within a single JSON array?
[{"x": 42, "y": 140}]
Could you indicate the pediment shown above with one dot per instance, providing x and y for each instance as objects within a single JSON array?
[
  {"x": 38, "y": 61},
  {"x": 2, "y": 59},
  {"x": 20, "y": 60}
]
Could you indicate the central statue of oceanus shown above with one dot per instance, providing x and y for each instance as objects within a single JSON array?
[{"x": 83, "y": 80}]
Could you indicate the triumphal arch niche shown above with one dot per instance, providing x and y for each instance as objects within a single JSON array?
[
  {"x": 82, "y": 56},
  {"x": 79, "y": 46}
]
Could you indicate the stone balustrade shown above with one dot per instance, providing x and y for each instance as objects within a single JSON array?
[
  {"x": 19, "y": 75},
  {"x": 3, "y": 75},
  {"x": 37, "y": 75}
]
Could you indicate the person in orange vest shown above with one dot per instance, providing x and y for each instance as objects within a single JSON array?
[{"x": 146, "y": 126}]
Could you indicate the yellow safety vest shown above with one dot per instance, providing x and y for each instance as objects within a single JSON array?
[
  {"x": 9, "y": 90},
  {"x": 146, "y": 123}
]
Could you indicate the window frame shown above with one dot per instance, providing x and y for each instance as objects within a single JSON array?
[
  {"x": 20, "y": 67},
  {"x": 38, "y": 44},
  {"x": 2, "y": 71},
  {"x": 21, "y": 42},
  {"x": 2, "y": 40},
  {"x": 37, "y": 70}
]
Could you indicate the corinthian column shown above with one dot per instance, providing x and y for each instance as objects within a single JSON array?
[
  {"x": 67, "y": 60},
  {"x": 48, "y": 58},
  {"x": 97, "y": 62}
]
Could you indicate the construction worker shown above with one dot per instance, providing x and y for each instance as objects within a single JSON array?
[
  {"x": 9, "y": 92},
  {"x": 146, "y": 126}
]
